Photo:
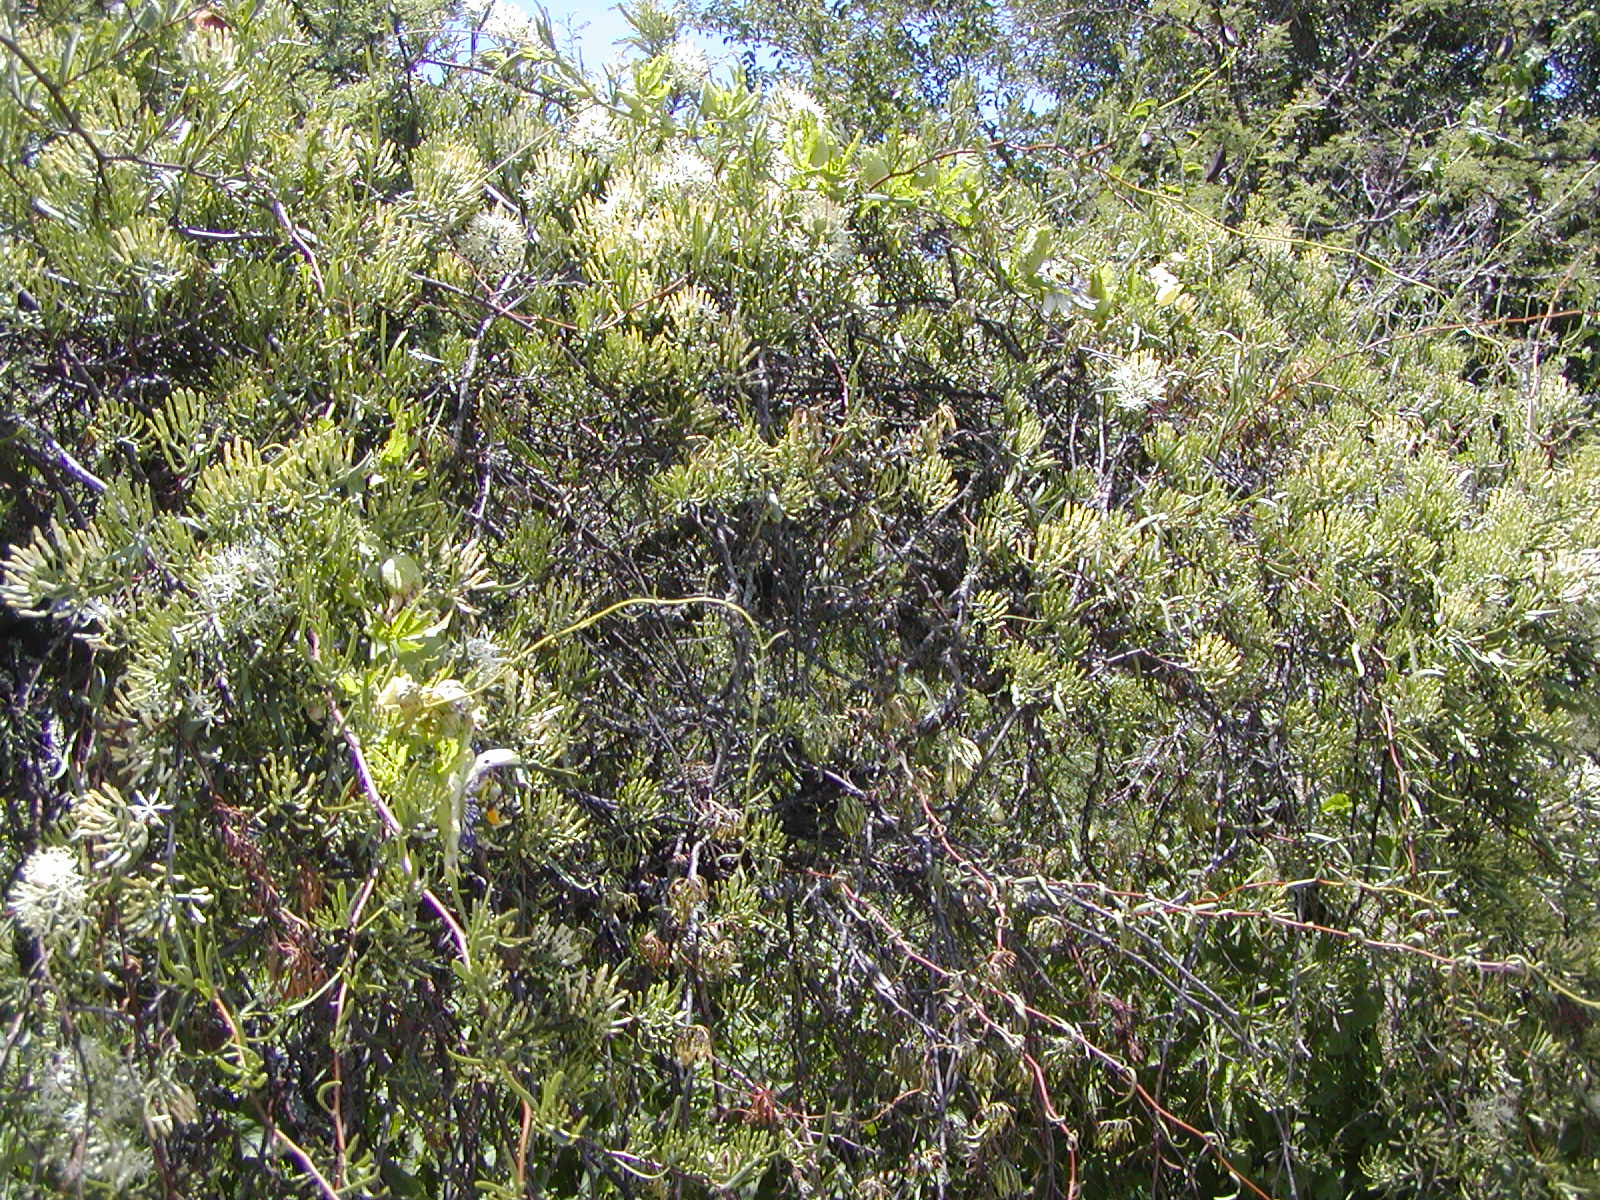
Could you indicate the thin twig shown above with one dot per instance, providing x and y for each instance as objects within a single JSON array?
[
  {"x": 67, "y": 113},
  {"x": 304, "y": 1159},
  {"x": 391, "y": 823},
  {"x": 534, "y": 320},
  {"x": 298, "y": 238},
  {"x": 289, "y": 1144},
  {"x": 1127, "y": 1073},
  {"x": 48, "y": 452},
  {"x": 521, "y": 1165}
]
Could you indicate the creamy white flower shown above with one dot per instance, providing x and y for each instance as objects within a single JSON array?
[
  {"x": 237, "y": 586},
  {"x": 650, "y": 233},
  {"x": 1137, "y": 382},
  {"x": 59, "y": 1082},
  {"x": 685, "y": 171},
  {"x": 689, "y": 63},
  {"x": 788, "y": 103},
  {"x": 594, "y": 132},
  {"x": 50, "y": 894},
  {"x": 92, "y": 1104},
  {"x": 547, "y": 179},
  {"x": 114, "y": 1159},
  {"x": 494, "y": 242},
  {"x": 691, "y": 311},
  {"x": 505, "y": 23},
  {"x": 837, "y": 251},
  {"x": 1574, "y": 576},
  {"x": 624, "y": 202},
  {"x": 820, "y": 230},
  {"x": 818, "y": 215}
]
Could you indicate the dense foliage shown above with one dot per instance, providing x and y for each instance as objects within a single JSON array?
[
  {"x": 1455, "y": 139},
  {"x": 646, "y": 637}
]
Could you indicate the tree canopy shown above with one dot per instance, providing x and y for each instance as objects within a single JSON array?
[
  {"x": 1456, "y": 141},
  {"x": 690, "y": 634}
]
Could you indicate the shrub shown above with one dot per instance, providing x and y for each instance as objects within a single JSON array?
[{"x": 575, "y": 636}]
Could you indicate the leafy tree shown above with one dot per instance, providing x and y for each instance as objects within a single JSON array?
[
  {"x": 1456, "y": 142},
  {"x": 577, "y": 637},
  {"x": 883, "y": 61}
]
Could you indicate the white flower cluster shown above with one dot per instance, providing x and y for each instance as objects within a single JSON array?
[
  {"x": 820, "y": 229},
  {"x": 623, "y": 203},
  {"x": 594, "y": 132},
  {"x": 687, "y": 171},
  {"x": 237, "y": 586},
  {"x": 626, "y": 220},
  {"x": 494, "y": 242},
  {"x": 504, "y": 23},
  {"x": 548, "y": 177},
  {"x": 50, "y": 894},
  {"x": 1574, "y": 576},
  {"x": 1137, "y": 382},
  {"x": 692, "y": 312},
  {"x": 789, "y": 103},
  {"x": 688, "y": 63},
  {"x": 95, "y": 1105}
]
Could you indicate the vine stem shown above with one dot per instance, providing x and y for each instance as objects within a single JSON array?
[
  {"x": 289, "y": 1144},
  {"x": 391, "y": 823},
  {"x": 1126, "y": 1072}
]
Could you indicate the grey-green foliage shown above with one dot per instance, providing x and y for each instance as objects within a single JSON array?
[
  {"x": 1455, "y": 140},
  {"x": 581, "y": 637}
]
